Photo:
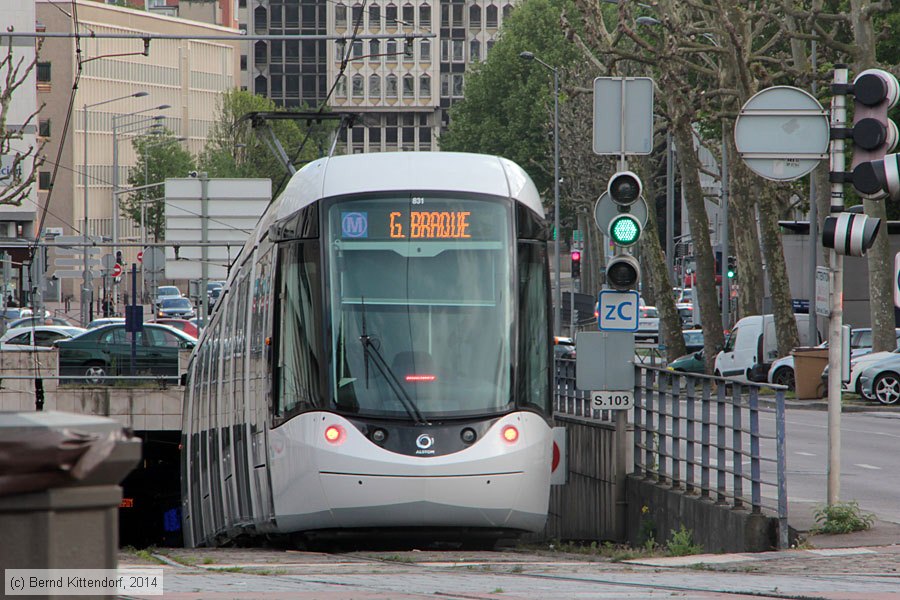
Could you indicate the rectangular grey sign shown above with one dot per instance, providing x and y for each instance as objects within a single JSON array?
[
  {"x": 623, "y": 115},
  {"x": 604, "y": 360}
]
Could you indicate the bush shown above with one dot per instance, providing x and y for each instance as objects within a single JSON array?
[{"x": 842, "y": 517}]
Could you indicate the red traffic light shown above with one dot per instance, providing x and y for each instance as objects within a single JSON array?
[{"x": 576, "y": 255}]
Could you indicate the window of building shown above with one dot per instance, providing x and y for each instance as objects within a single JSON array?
[
  {"x": 276, "y": 17},
  {"x": 292, "y": 51},
  {"x": 357, "y": 49},
  {"x": 261, "y": 85},
  {"x": 340, "y": 15},
  {"x": 357, "y": 14},
  {"x": 507, "y": 10},
  {"x": 375, "y": 135},
  {"x": 309, "y": 16},
  {"x": 243, "y": 62},
  {"x": 456, "y": 14},
  {"x": 491, "y": 16},
  {"x": 425, "y": 50},
  {"x": 260, "y": 19},
  {"x": 457, "y": 81},
  {"x": 475, "y": 16},
  {"x": 390, "y": 135},
  {"x": 425, "y": 86},
  {"x": 374, "y": 50},
  {"x": 44, "y": 128},
  {"x": 292, "y": 16},
  {"x": 409, "y": 15},
  {"x": 390, "y": 86},
  {"x": 474, "y": 51},
  {"x": 44, "y": 180},
  {"x": 424, "y": 16},
  {"x": 43, "y": 72},
  {"x": 261, "y": 53},
  {"x": 374, "y": 87},
  {"x": 358, "y": 89},
  {"x": 390, "y": 15},
  {"x": 445, "y": 85},
  {"x": 458, "y": 49},
  {"x": 489, "y": 46},
  {"x": 391, "y": 51},
  {"x": 445, "y": 50},
  {"x": 408, "y": 54},
  {"x": 374, "y": 17},
  {"x": 409, "y": 89},
  {"x": 340, "y": 89}
]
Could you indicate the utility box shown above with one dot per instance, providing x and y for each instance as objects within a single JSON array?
[
  {"x": 808, "y": 366},
  {"x": 59, "y": 492}
]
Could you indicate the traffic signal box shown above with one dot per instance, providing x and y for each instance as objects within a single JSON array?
[
  {"x": 875, "y": 174},
  {"x": 623, "y": 271},
  {"x": 576, "y": 263}
]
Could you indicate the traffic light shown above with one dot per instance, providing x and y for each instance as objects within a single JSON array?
[
  {"x": 623, "y": 272},
  {"x": 732, "y": 267},
  {"x": 850, "y": 234},
  {"x": 119, "y": 257},
  {"x": 875, "y": 175},
  {"x": 625, "y": 189},
  {"x": 576, "y": 263}
]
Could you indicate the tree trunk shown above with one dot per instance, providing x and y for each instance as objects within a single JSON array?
[
  {"x": 654, "y": 261},
  {"x": 881, "y": 293},
  {"x": 779, "y": 285},
  {"x": 745, "y": 234}
]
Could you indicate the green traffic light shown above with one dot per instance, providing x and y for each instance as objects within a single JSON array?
[
  {"x": 730, "y": 274},
  {"x": 624, "y": 230}
]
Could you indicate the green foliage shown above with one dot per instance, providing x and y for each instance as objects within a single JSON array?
[
  {"x": 682, "y": 543},
  {"x": 508, "y": 107},
  {"x": 234, "y": 150},
  {"x": 842, "y": 517},
  {"x": 159, "y": 156}
]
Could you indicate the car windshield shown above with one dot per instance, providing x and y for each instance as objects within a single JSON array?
[
  {"x": 693, "y": 338},
  {"x": 169, "y": 291},
  {"x": 421, "y": 309},
  {"x": 649, "y": 313},
  {"x": 176, "y": 303}
]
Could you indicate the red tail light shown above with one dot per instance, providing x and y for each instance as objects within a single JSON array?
[
  {"x": 510, "y": 434},
  {"x": 334, "y": 434},
  {"x": 420, "y": 378}
]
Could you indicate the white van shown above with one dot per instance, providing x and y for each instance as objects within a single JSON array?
[{"x": 751, "y": 347}]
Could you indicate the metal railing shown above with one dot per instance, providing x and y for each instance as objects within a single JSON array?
[
  {"x": 696, "y": 433},
  {"x": 569, "y": 400}
]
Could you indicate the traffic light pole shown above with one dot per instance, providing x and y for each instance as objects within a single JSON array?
[{"x": 836, "y": 320}]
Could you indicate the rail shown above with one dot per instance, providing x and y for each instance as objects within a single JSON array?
[
  {"x": 569, "y": 400},
  {"x": 696, "y": 433}
]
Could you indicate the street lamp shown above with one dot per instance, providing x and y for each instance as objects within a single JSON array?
[
  {"x": 87, "y": 287},
  {"x": 115, "y": 185},
  {"x": 557, "y": 304}
]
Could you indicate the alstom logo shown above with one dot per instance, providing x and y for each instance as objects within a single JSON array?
[{"x": 355, "y": 225}]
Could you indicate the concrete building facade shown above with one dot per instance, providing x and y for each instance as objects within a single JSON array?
[
  {"x": 187, "y": 75},
  {"x": 402, "y": 89}
]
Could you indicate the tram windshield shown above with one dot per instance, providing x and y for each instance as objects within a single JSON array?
[{"x": 421, "y": 304}]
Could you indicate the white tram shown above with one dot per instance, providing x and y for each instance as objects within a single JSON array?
[{"x": 380, "y": 360}]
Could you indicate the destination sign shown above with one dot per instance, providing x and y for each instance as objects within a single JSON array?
[{"x": 421, "y": 219}]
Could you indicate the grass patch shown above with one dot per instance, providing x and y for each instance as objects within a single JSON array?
[
  {"x": 399, "y": 559},
  {"x": 682, "y": 543},
  {"x": 144, "y": 553},
  {"x": 842, "y": 517}
]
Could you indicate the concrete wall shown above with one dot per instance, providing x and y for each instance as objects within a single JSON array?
[
  {"x": 149, "y": 406},
  {"x": 718, "y": 528}
]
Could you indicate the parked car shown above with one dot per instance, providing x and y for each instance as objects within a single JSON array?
[
  {"x": 183, "y": 324},
  {"x": 881, "y": 380},
  {"x": 695, "y": 362},
  {"x": 782, "y": 370},
  {"x": 179, "y": 308},
  {"x": 34, "y": 320},
  {"x": 563, "y": 347},
  {"x": 648, "y": 324},
  {"x": 686, "y": 312},
  {"x": 105, "y": 321},
  {"x": 693, "y": 339},
  {"x": 213, "y": 298},
  {"x": 751, "y": 347},
  {"x": 39, "y": 337},
  {"x": 106, "y": 351},
  {"x": 165, "y": 292}
]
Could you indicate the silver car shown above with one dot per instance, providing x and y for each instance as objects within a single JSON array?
[
  {"x": 179, "y": 308},
  {"x": 881, "y": 380}
]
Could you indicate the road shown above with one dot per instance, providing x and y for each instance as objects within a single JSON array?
[{"x": 869, "y": 441}]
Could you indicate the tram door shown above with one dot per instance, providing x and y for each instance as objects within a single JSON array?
[{"x": 259, "y": 388}]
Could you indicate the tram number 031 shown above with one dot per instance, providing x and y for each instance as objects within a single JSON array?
[{"x": 620, "y": 399}]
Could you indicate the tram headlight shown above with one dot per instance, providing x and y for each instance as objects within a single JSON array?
[
  {"x": 379, "y": 435},
  {"x": 468, "y": 435},
  {"x": 334, "y": 434},
  {"x": 510, "y": 434}
]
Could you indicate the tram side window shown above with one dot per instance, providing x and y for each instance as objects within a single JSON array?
[
  {"x": 299, "y": 351},
  {"x": 534, "y": 337}
]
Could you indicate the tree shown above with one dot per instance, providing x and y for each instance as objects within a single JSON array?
[
  {"x": 20, "y": 163},
  {"x": 159, "y": 156},
  {"x": 234, "y": 150}
]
